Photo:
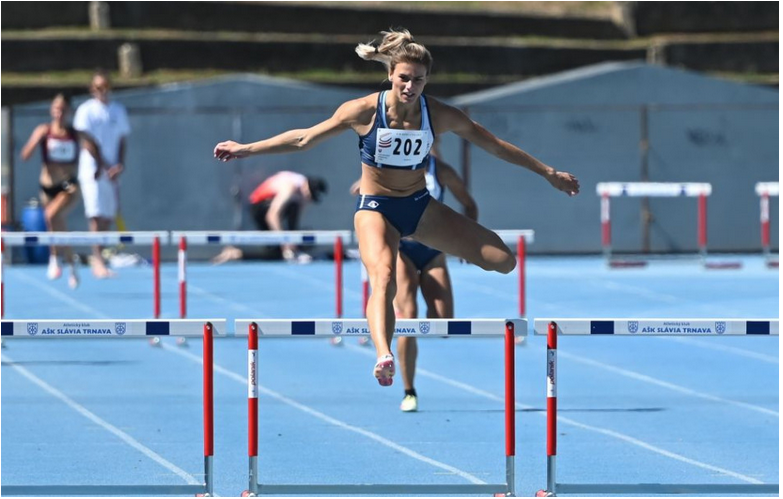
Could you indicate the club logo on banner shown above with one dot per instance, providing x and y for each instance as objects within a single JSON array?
[
  {"x": 32, "y": 328},
  {"x": 424, "y": 327},
  {"x": 720, "y": 327},
  {"x": 633, "y": 327},
  {"x": 337, "y": 327},
  {"x": 120, "y": 328}
]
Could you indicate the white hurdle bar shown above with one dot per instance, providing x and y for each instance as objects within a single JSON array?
[
  {"x": 261, "y": 238},
  {"x": 128, "y": 328},
  {"x": 155, "y": 239},
  {"x": 437, "y": 328},
  {"x": 764, "y": 190},
  {"x": 553, "y": 328},
  {"x": 652, "y": 189},
  {"x": 519, "y": 237}
]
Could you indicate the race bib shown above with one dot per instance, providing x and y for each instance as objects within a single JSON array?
[
  {"x": 61, "y": 151},
  {"x": 401, "y": 147}
]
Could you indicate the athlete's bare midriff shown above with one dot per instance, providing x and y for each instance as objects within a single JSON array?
[
  {"x": 391, "y": 182},
  {"x": 53, "y": 174}
]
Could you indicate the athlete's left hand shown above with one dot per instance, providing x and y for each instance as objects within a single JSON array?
[{"x": 564, "y": 181}]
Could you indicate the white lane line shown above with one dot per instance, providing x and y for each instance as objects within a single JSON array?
[
  {"x": 665, "y": 384},
  {"x": 103, "y": 424},
  {"x": 227, "y": 303},
  {"x": 603, "y": 431},
  {"x": 317, "y": 414},
  {"x": 316, "y": 281},
  {"x": 48, "y": 289},
  {"x": 723, "y": 348},
  {"x": 637, "y": 290}
]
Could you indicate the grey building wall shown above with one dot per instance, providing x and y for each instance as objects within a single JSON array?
[{"x": 588, "y": 122}]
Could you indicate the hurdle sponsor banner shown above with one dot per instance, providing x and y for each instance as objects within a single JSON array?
[
  {"x": 252, "y": 374},
  {"x": 512, "y": 236},
  {"x": 116, "y": 328},
  {"x": 263, "y": 238},
  {"x": 660, "y": 327},
  {"x": 653, "y": 189},
  {"x": 304, "y": 328},
  {"x": 767, "y": 188},
  {"x": 83, "y": 238}
]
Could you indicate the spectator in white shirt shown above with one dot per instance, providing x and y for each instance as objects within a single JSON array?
[{"x": 107, "y": 123}]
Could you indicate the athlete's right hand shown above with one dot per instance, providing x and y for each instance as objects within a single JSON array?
[{"x": 229, "y": 150}]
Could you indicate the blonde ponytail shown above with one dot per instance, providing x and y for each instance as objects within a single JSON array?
[{"x": 395, "y": 47}]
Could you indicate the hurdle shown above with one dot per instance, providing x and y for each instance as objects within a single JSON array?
[
  {"x": 261, "y": 238},
  {"x": 155, "y": 239},
  {"x": 607, "y": 190},
  {"x": 519, "y": 237},
  {"x": 764, "y": 190},
  {"x": 121, "y": 329},
  {"x": 320, "y": 328},
  {"x": 553, "y": 328}
]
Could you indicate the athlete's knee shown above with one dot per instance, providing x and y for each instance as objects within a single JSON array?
[
  {"x": 504, "y": 263},
  {"x": 508, "y": 264},
  {"x": 382, "y": 278},
  {"x": 407, "y": 310}
]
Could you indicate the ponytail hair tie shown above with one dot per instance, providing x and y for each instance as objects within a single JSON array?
[{"x": 376, "y": 50}]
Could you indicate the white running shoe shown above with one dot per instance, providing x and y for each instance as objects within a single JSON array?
[
  {"x": 409, "y": 404},
  {"x": 54, "y": 271}
]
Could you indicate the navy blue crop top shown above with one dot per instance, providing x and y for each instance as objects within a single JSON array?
[{"x": 385, "y": 147}]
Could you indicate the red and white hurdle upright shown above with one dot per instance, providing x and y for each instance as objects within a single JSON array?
[
  {"x": 553, "y": 328},
  {"x": 27, "y": 330},
  {"x": 261, "y": 238},
  {"x": 153, "y": 239},
  {"x": 765, "y": 190},
  {"x": 258, "y": 329},
  {"x": 701, "y": 191}
]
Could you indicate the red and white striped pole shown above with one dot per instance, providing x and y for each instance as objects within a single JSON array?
[
  {"x": 156, "y": 276},
  {"x": 606, "y": 226},
  {"x": 510, "y": 409},
  {"x": 182, "y": 261},
  {"x": 338, "y": 268},
  {"x": 209, "y": 419},
  {"x": 551, "y": 408},
  {"x": 2, "y": 283},
  {"x": 702, "y": 216},
  {"x": 765, "y": 224},
  {"x": 252, "y": 405},
  {"x": 521, "y": 252}
]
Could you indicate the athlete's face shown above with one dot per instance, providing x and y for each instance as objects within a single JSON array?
[
  {"x": 408, "y": 81},
  {"x": 59, "y": 110}
]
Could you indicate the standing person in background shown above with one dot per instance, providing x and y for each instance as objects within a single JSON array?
[
  {"x": 277, "y": 204},
  {"x": 396, "y": 129},
  {"x": 107, "y": 123},
  {"x": 419, "y": 266},
  {"x": 59, "y": 143}
]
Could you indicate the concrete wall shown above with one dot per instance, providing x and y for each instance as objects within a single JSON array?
[
  {"x": 704, "y": 17},
  {"x": 280, "y": 17},
  {"x": 588, "y": 122}
]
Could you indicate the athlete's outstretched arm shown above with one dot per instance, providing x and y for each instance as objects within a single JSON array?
[
  {"x": 453, "y": 182},
  {"x": 293, "y": 140},
  {"x": 454, "y": 120}
]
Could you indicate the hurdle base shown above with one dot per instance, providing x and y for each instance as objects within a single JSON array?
[
  {"x": 385, "y": 489},
  {"x": 722, "y": 265},
  {"x": 627, "y": 264},
  {"x": 773, "y": 264},
  {"x": 663, "y": 488},
  {"x": 103, "y": 490}
]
